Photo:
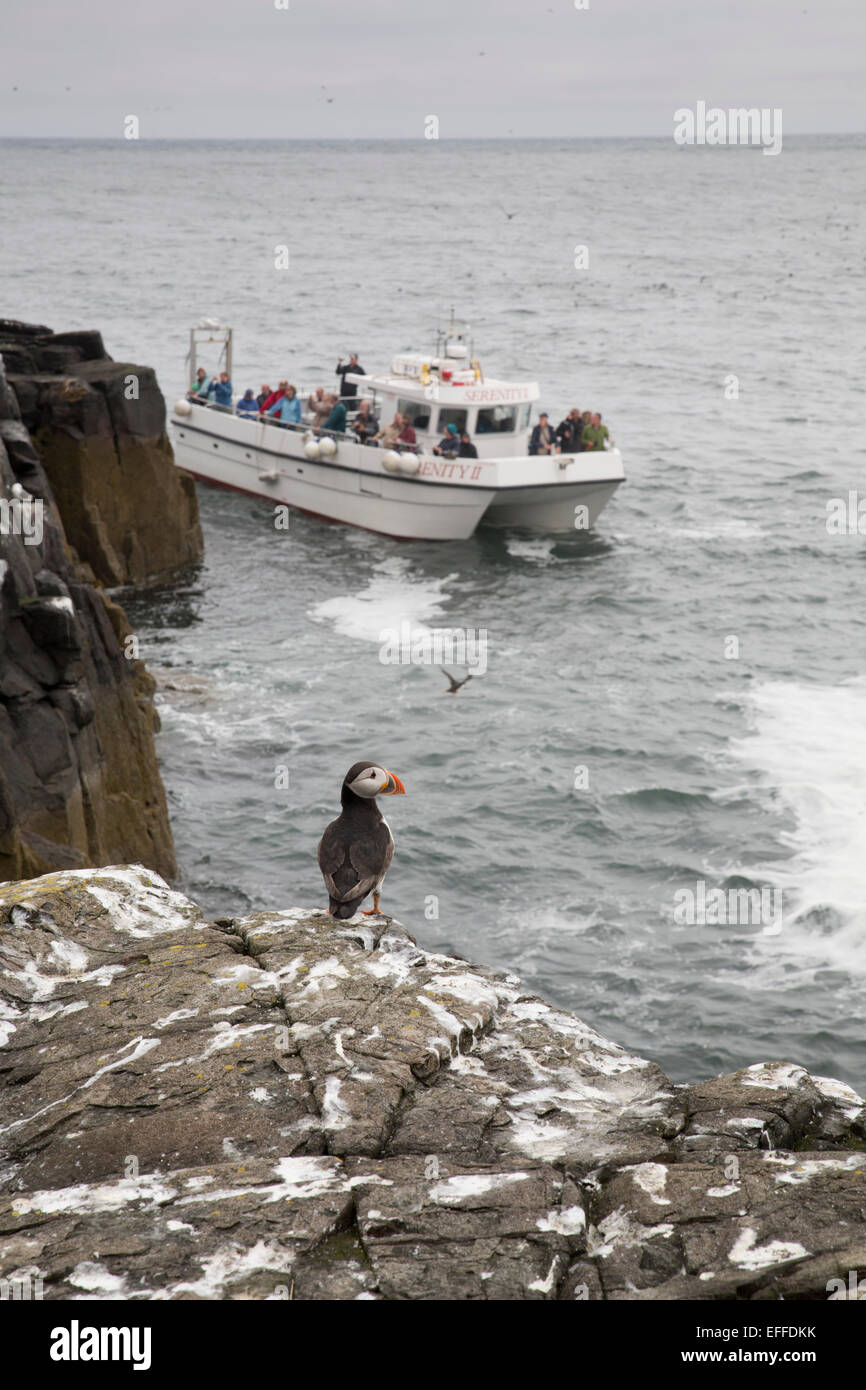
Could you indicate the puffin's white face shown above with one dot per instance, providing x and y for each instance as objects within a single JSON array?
[{"x": 376, "y": 781}]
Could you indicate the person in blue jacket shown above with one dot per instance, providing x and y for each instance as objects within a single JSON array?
[
  {"x": 449, "y": 444},
  {"x": 221, "y": 390},
  {"x": 288, "y": 407},
  {"x": 248, "y": 405}
]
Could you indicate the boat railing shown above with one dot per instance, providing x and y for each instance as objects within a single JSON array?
[{"x": 305, "y": 426}]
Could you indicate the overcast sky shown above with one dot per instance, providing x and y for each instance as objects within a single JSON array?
[{"x": 333, "y": 68}]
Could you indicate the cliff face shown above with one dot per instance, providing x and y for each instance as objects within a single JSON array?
[
  {"x": 79, "y": 782},
  {"x": 99, "y": 428},
  {"x": 285, "y": 1106}
]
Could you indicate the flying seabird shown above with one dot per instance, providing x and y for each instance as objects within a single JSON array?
[
  {"x": 357, "y": 848},
  {"x": 455, "y": 685}
]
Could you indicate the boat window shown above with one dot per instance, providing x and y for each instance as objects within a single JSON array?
[
  {"x": 525, "y": 417},
  {"x": 416, "y": 412},
  {"x": 497, "y": 419},
  {"x": 450, "y": 415}
]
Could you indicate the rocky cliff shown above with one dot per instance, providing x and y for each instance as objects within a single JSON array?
[
  {"x": 99, "y": 428},
  {"x": 282, "y": 1106},
  {"x": 79, "y": 782}
]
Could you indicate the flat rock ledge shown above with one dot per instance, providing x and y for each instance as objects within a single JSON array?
[{"x": 282, "y": 1106}]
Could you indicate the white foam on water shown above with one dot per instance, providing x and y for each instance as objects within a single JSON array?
[
  {"x": 539, "y": 552},
  {"x": 808, "y": 745},
  {"x": 393, "y": 596}
]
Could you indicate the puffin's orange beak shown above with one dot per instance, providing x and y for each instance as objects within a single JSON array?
[{"x": 393, "y": 786}]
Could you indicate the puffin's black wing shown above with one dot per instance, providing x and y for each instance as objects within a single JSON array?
[
  {"x": 354, "y": 860},
  {"x": 455, "y": 685}
]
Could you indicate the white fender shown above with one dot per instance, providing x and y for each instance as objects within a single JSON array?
[
  {"x": 409, "y": 463},
  {"x": 391, "y": 461},
  {"x": 311, "y": 449},
  {"x": 327, "y": 447},
  {"x": 182, "y": 407}
]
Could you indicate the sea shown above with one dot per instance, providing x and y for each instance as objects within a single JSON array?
[{"x": 674, "y": 705}]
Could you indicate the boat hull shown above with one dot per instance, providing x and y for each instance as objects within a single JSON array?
[
  {"x": 565, "y": 507},
  {"x": 441, "y": 502}
]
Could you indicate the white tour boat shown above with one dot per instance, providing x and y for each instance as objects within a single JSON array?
[{"x": 408, "y": 493}]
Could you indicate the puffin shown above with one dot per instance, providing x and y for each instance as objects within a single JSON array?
[
  {"x": 357, "y": 848},
  {"x": 454, "y": 685}
]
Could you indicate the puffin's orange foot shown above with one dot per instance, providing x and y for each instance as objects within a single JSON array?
[{"x": 372, "y": 911}]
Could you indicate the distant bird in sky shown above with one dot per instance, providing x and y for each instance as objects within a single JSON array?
[
  {"x": 454, "y": 685},
  {"x": 508, "y": 214},
  {"x": 357, "y": 848}
]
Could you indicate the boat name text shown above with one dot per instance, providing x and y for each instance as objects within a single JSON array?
[
  {"x": 465, "y": 472},
  {"x": 497, "y": 393}
]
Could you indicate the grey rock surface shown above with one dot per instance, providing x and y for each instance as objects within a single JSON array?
[
  {"x": 79, "y": 782},
  {"x": 282, "y": 1106},
  {"x": 99, "y": 430}
]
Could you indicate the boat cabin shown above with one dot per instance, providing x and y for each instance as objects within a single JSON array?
[{"x": 448, "y": 387}]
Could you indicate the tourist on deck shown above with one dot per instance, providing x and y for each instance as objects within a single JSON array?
[
  {"x": 247, "y": 405},
  {"x": 200, "y": 386},
  {"x": 263, "y": 396},
  {"x": 568, "y": 433},
  {"x": 595, "y": 435},
  {"x": 449, "y": 444},
  {"x": 319, "y": 406},
  {"x": 274, "y": 397},
  {"x": 389, "y": 434},
  {"x": 337, "y": 418},
  {"x": 407, "y": 433},
  {"x": 221, "y": 390},
  {"x": 287, "y": 408},
  {"x": 398, "y": 432},
  {"x": 365, "y": 424},
  {"x": 349, "y": 389},
  {"x": 467, "y": 448},
  {"x": 542, "y": 439}
]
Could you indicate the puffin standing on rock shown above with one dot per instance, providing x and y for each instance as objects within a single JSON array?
[{"x": 357, "y": 848}]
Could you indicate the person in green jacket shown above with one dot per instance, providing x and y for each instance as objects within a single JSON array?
[
  {"x": 337, "y": 418},
  {"x": 595, "y": 434}
]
